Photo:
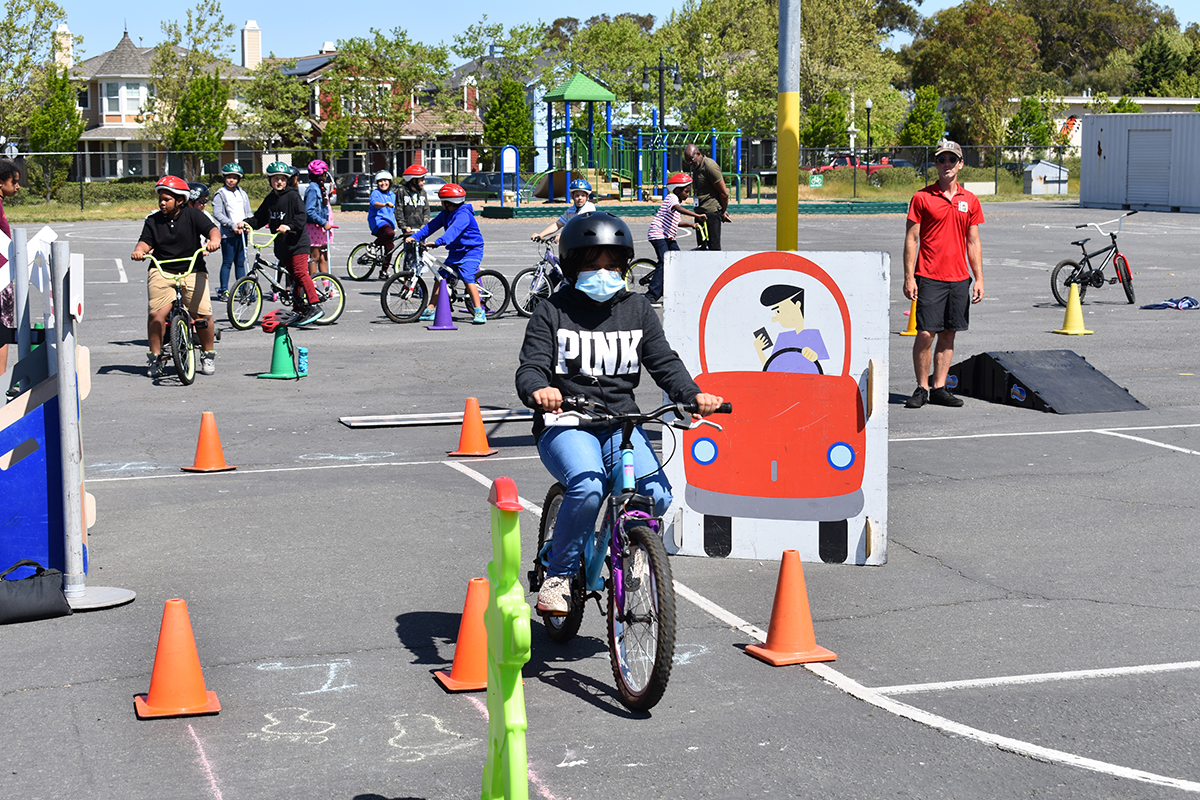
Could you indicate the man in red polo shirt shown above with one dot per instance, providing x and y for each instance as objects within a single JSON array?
[{"x": 941, "y": 253}]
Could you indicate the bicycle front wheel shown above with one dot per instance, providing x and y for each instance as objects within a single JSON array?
[
  {"x": 182, "y": 350},
  {"x": 362, "y": 261},
  {"x": 330, "y": 296},
  {"x": 1066, "y": 273},
  {"x": 493, "y": 292},
  {"x": 560, "y": 628},
  {"x": 244, "y": 304},
  {"x": 403, "y": 297},
  {"x": 641, "y": 636},
  {"x": 529, "y": 287},
  {"x": 1122, "y": 267},
  {"x": 637, "y": 280}
]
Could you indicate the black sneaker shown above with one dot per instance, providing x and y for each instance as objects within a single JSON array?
[
  {"x": 941, "y": 397},
  {"x": 919, "y": 398}
]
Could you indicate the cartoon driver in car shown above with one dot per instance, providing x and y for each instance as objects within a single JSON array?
[{"x": 796, "y": 349}]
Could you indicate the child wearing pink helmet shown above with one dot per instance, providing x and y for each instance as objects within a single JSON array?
[{"x": 319, "y": 211}]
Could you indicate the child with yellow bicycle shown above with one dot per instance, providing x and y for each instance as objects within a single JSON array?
[{"x": 172, "y": 232}]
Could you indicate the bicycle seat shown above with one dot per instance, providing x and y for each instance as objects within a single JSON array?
[{"x": 1082, "y": 242}]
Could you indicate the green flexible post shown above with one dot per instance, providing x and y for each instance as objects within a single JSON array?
[{"x": 506, "y": 773}]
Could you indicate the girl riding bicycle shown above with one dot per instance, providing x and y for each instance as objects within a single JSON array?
[{"x": 591, "y": 339}]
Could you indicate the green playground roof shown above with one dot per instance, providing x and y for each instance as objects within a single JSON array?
[{"x": 580, "y": 88}]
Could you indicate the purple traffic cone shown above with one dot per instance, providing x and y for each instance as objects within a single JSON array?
[{"x": 442, "y": 320}]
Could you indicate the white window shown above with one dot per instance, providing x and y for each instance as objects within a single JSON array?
[
  {"x": 441, "y": 158},
  {"x": 112, "y": 98},
  {"x": 133, "y": 98}
]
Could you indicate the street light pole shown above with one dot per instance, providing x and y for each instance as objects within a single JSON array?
[
  {"x": 661, "y": 69},
  {"x": 869, "y": 130}
]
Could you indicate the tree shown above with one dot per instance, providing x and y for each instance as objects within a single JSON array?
[
  {"x": 509, "y": 121},
  {"x": 377, "y": 81},
  {"x": 1160, "y": 61},
  {"x": 611, "y": 51},
  {"x": 827, "y": 122},
  {"x": 272, "y": 103},
  {"x": 28, "y": 45},
  {"x": 196, "y": 51},
  {"x": 979, "y": 53},
  {"x": 1101, "y": 104},
  {"x": 199, "y": 120},
  {"x": 925, "y": 123},
  {"x": 55, "y": 125},
  {"x": 1030, "y": 126}
]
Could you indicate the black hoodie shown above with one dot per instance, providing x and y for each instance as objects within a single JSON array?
[
  {"x": 284, "y": 208},
  {"x": 597, "y": 350}
]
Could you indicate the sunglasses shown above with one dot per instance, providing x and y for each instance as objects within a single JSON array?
[{"x": 947, "y": 159}]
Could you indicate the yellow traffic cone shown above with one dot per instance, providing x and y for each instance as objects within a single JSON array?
[
  {"x": 1073, "y": 319},
  {"x": 912, "y": 321}
]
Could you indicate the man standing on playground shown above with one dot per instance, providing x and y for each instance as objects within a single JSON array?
[
  {"x": 941, "y": 252},
  {"x": 712, "y": 196}
]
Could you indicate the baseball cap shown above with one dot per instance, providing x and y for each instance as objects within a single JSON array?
[{"x": 947, "y": 146}]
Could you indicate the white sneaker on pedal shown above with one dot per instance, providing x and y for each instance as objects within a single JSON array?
[
  {"x": 208, "y": 364},
  {"x": 555, "y": 597}
]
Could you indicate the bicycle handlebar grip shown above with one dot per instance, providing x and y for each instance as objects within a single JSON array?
[
  {"x": 724, "y": 408},
  {"x": 1084, "y": 225},
  {"x": 576, "y": 403},
  {"x": 1131, "y": 213}
]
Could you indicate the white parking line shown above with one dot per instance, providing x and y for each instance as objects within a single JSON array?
[
  {"x": 877, "y": 698},
  {"x": 1043, "y": 677},
  {"x": 1109, "y": 431},
  {"x": 1150, "y": 441},
  {"x": 121, "y": 271}
]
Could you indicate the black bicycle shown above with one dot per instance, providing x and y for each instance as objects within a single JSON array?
[
  {"x": 641, "y": 270},
  {"x": 245, "y": 302},
  {"x": 1083, "y": 274}
]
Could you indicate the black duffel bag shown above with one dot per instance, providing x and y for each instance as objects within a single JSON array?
[{"x": 40, "y": 596}]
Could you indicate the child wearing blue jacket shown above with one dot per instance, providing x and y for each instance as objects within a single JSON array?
[
  {"x": 463, "y": 242},
  {"x": 381, "y": 216}
]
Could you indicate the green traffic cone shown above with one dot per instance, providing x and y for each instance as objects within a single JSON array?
[{"x": 283, "y": 367}]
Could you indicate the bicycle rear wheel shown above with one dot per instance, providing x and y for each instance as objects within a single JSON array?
[
  {"x": 362, "y": 260},
  {"x": 244, "y": 304},
  {"x": 637, "y": 280},
  {"x": 561, "y": 628},
  {"x": 493, "y": 291},
  {"x": 529, "y": 287},
  {"x": 403, "y": 297},
  {"x": 331, "y": 297},
  {"x": 1121, "y": 265},
  {"x": 1066, "y": 273},
  {"x": 641, "y": 637},
  {"x": 182, "y": 351}
]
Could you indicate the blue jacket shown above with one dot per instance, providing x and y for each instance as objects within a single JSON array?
[
  {"x": 314, "y": 205},
  {"x": 463, "y": 241},
  {"x": 378, "y": 217}
]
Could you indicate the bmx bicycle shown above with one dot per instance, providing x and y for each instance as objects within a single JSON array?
[
  {"x": 245, "y": 302},
  {"x": 641, "y": 595},
  {"x": 1084, "y": 274},
  {"x": 405, "y": 294},
  {"x": 641, "y": 270}
]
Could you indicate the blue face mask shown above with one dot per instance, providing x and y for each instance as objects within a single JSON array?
[{"x": 600, "y": 284}]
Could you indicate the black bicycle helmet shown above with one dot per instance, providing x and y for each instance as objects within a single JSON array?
[
  {"x": 593, "y": 229},
  {"x": 197, "y": 191}
]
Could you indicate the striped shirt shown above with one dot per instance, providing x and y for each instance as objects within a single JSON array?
[{"x": 665, "y": 224}]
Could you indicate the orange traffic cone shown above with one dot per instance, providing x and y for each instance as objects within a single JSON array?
[
  {"x": 177, "y": 684},
  {"x": 209, "y": 457},
  {"x": 790, "y": 638},
  {"x": 469, "y": 671},
  {"x": 472, "y": 441},
  {"x": 912, "y": 321}
]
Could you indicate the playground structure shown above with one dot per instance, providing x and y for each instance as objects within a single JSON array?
[{"x": 620, "y": 167}]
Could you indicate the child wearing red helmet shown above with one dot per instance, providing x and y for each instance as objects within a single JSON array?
[
  {"x": 463, "y": 242},
  {"x": 665, "y": 227}
]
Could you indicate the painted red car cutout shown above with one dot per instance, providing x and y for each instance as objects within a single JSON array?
[{"x": 795, "y": 446}]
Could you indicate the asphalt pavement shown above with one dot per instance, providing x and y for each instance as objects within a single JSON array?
[{"x": 1032, "y": 634}]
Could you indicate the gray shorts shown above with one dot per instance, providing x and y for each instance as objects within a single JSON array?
[{"x": 943, "y": 305}]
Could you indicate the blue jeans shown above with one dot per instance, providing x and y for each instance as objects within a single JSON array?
[
  {"x": 233, "y": 248},
  {"x": 661, "y": 247},
  {"x": 581, "y": 460}
]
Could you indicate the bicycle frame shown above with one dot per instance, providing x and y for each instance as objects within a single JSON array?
[
  {"x": 1110, "y": 252},
  {"x": 264, "y": 268}
]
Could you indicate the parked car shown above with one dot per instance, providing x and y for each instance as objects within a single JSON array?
[
  {"x": 900, "y": 163},
  {"x": 432, "y": 184},
  {"x": 355, "y": 187},
  {"x": 845, "y": 161},
  {"x": 305, "y": 180},
  {"x": 1015, "y": 167},
  {"x": 486, "y": 185}
]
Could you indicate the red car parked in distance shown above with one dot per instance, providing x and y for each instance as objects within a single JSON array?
[{"x": 844, "y": 161}]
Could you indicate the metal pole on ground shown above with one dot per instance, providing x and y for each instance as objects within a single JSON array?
[
  {"x": 787, "y": 206},
  {"x": 21, "y": 291}
]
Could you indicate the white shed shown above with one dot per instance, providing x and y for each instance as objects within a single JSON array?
[
  {"x": 1141, "y": 161},
  {"x": 1045, "y": 177}
]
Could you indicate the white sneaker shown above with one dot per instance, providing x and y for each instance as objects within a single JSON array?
[
  {"x": 555, "y": 597},
  {"x": 207, "y": 363}
]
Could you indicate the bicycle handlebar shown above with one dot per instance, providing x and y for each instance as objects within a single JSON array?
[
  {"x": 264, "y": 245},
  {"x": 598, "y": 412},
  {"x": 157, "y": 264},
  {"x": 1097, "y": 225}
]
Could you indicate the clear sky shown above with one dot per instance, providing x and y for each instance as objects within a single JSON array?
[{"x": 299, "y": 27}]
